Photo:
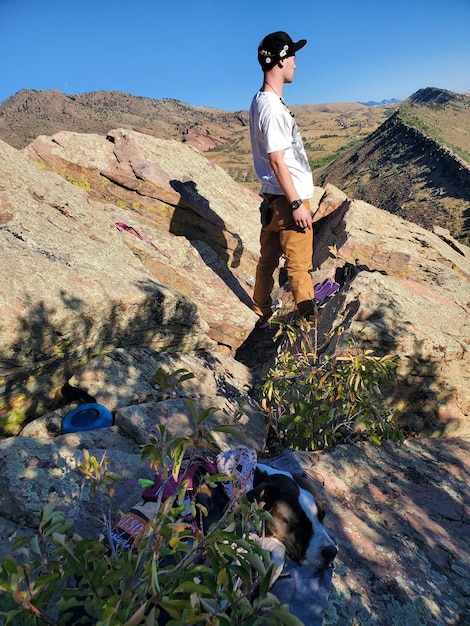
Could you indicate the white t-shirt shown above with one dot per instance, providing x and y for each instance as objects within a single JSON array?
[{"x": 273, "y": 128}]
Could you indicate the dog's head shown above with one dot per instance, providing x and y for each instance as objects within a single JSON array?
[{"x": 295, "y": 508}]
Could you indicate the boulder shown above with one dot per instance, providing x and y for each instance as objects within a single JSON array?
[
  {"x": 41, "y": 464},
  {"x": 83, "y": 286},
  {"x": 404, "y": 291},
  {"x": 125, "y": 382},
  {"x": 408, "y": 294},
  {"x": 400, "y": 516},
  {"x": 69, "y": 288},
  {"x": 166, "y": 187},
  {"x": 125, "y": 377}
]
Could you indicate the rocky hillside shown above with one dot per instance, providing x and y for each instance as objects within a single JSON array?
[
  {"x": 223, "y": 136},
  {"x": 122, "y": 252},
  {"x": 131, "y": 236},
  {"x": 30, "y": 113},
  {"x": 412, "y": 161},
  {"x": 416, "y": 164}
]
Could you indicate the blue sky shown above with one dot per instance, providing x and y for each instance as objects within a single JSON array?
[{"x": 204, "y": 52}]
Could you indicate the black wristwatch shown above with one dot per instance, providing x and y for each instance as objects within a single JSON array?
[{"x": 295, "y": 204}]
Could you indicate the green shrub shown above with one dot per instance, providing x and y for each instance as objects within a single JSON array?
[
  {"x": 221, "y": 577},
  {"x": 318, "y": 403}
]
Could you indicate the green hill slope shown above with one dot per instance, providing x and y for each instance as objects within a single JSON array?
[{"x": 416, "y": 164}]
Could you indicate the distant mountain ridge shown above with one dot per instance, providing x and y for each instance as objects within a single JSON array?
[
  {"x": 434, "y": 95},
  {"x": 222, "y": 136},
  {"x": 373, "y": 103},
  {"x": 30, "y": 113}
]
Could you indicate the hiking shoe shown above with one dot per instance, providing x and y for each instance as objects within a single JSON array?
[{"x": 263, "y": 322}]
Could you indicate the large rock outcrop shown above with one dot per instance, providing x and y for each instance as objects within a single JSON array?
[
  {"x": 401, "y": 517},
  {"x": 73, "y": 284},
  {"x": 178, "y": 188},
  {"x": 414, "y": 301},
  {"x": 82, "y": 286},
  {"x": 405, "y": 291},
  {"x": 98, "y": 308}
]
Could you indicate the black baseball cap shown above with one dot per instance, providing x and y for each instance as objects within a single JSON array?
[{"x": 277, "y": 46}]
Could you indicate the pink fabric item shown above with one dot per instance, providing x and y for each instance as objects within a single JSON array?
[{"x": 133, "y": 231}]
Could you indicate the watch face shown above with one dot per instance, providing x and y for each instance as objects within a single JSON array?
[{"x": 295, "y": 204}]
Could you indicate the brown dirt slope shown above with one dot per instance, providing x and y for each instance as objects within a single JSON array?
[{"x": 416, "y": 164}]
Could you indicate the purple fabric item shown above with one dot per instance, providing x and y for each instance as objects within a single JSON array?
[
  {"x": 325, "y": 289},
  {"x": 170, "y": 485}
]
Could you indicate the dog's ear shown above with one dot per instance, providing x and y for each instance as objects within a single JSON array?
[
  {"x": 264, "y": 493},
  {"x": 257, "y": 493},
  {"x": 322, "y": 505},
  {"x": 306, "y": 483}
]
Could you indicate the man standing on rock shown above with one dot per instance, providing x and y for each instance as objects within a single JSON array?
[{"x": 282, "y": 167}]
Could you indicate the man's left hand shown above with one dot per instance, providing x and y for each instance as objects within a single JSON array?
[{"x": 302, "y": 217}]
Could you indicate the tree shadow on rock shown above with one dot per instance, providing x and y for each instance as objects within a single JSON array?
[
  {"x": 329, "y": 231},
  {"x": 402, "y": 539},
  {"x": 49, "y": 348},
  {"x": 416, "y": 389}
]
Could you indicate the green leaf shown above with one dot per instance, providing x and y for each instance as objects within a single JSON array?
[
  {"x": 189, "y": 586},
  {"x": 265, "y": 582},
  {"x": 35, "y": 546},
  {"x": 204, "y": 415},
  {"x": 254, "y": 560},
  {"x": 10, "y": 566},
  {"x": 187, "y": 376},
  {"x": 145, "y": 482},
  {"x": 231, "y": 429},
  {"x": 285, "y": 616},
  {"x": 227, "y": 549}
]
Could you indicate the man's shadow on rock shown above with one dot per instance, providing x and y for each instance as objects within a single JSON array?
[{"x": 194, "y": 219}]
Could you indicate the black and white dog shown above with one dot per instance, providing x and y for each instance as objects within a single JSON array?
[
  {"x": 297, "y": 513},
  {"x": 296, "y": 510}
]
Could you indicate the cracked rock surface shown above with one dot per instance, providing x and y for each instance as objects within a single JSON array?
[{"x": 400, "y": 515}]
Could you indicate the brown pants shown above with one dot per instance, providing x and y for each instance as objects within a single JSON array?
[{"x": 282, "y": 236}]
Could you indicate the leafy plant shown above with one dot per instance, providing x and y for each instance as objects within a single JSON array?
[
  {"x": 168, "y": 381},
  {"x": 338, "y": 399},
  {"x": 173, "y": 574}
]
